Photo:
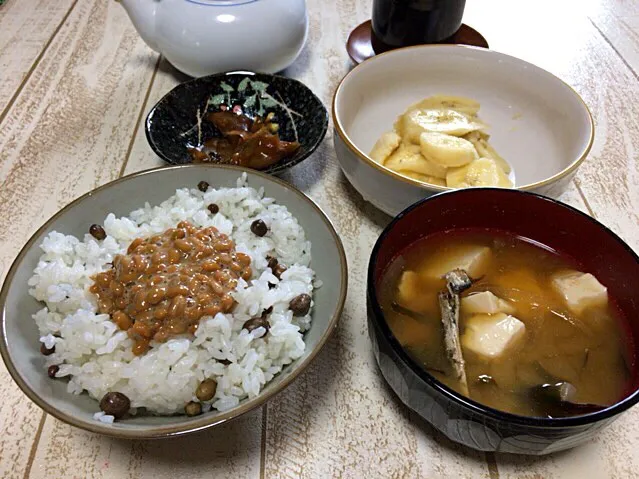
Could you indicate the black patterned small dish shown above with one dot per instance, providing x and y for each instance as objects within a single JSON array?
[{"x": 178, "y": 123}]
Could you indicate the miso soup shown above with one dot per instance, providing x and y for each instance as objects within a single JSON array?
[{"x": 531, "y": 319}]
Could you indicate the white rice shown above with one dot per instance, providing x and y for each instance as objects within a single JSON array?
[{"x": 97, "y": 356}]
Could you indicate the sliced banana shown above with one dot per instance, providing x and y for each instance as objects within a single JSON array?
[
  {"x": 440, "y": 140},
  {"x": 434, "y": 169},
  {"x": 450, "y": 122},
  {"x": 409, "y": 158},
  {"x": 456, "y": 177},
  {"x": 481, "y": 172},
  {"x": 457, "y": 103},
  {"x": 424, "y": 178},
  {"x": 483, "y": 135},
  {"x": 446, "y": 150},
  {"x": 385, "y": 146},
  {"x": 485, "y": 150},
  {"x": 487, "y": 172},
  {"x": 473, "y": 136},
  {"x": 406, "y": 157}
]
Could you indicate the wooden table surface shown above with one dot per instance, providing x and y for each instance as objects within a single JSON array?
[{"x": 76, "y": 82}]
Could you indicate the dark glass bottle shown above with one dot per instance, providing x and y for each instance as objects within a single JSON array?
[{"x": 399, "y": 23}]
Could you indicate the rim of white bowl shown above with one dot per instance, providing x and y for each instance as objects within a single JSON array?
[{"x": 572, "y": 167}]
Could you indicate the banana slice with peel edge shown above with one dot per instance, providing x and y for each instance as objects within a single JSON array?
[
  {"x": 481, "y": 172},
  {"x": 385, "y": 146},
  {"x": 447, "y": 102},
  {"x": 447, "y": 150},
  {"x": 408, "y": 158},
  {"x": 450, "y": 122},
  {"x": 485, "y": 150}
]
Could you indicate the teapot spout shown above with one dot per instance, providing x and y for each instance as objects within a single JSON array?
[{"x": 142, "y": 14}]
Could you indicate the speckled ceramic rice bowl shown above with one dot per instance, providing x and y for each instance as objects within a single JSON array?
[{"x": 70, "y": 354}]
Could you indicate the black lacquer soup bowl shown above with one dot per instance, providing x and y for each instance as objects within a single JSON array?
[{"x": 532, "y": 216}]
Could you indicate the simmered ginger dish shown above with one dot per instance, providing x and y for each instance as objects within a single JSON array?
[
  {"x": 508, "y": 323},
  {"x": 441, "y": 141}
]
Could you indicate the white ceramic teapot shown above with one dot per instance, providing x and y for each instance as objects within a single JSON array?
[{"x": 201, "y": 37}]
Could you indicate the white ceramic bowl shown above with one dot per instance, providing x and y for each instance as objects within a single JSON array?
[{"x": 538, "y": 123}]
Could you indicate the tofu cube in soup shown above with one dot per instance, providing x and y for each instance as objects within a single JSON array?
[
  {"x": 485, "y": 303},
  {"x": 408, "y": 288},
  {"x": 490, "y": 336},
  {"x": 412, "y": 293},
  {"x": 580, "y": 291},
  {"x": 471, "y": 258}
]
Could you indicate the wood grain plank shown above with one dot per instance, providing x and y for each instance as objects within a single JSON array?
[
  {"x": 65, "y": 134},
  {"x": 609, "y": 177},
  {"x": 608, "y": 180},
  {"x": 244, "y": 434},
  {"x": 229, "y": 450},
  {"x": 142, "y": 156},
  {"x": 612, "y": 455},
  {"x": 340, "y": 419},
  {"x": 620, "y": 8},
  {"x": 311, "y": 430},
  {"x": 26, "y": 28},
  {"x": 622, "y": 33},
  {"x": 520, "y": 34},
  {"x": 69, "y": 131},
  {"x": 232, "y": 449}
]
